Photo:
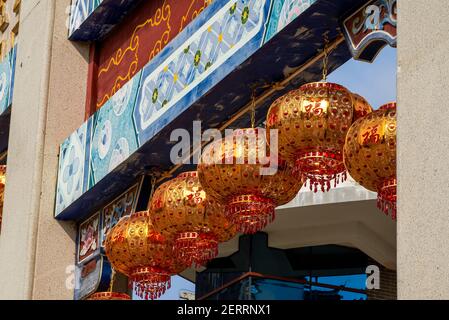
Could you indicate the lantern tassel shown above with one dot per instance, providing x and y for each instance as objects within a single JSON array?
[
  {"x": 321, "y": 169},
  {"x": 386, "y": 197},
  {"x": 195, "y": 249},
  {"x": 250, "y": 213},
  {"x": 150, "y": 283}
]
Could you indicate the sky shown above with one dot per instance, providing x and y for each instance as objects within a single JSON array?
[
  {"x": 178, "y": 284},
  {"x": 376, "y": 82}
]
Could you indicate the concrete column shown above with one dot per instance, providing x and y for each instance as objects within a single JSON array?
[
  {"x": 48, "y": 105},
  {"x": 423, "y": 140}
]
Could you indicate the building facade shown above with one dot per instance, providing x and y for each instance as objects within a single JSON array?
[{"x": 95, "y": 89}]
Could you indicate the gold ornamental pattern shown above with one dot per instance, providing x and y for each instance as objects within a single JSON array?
[{"x": 370, "y": 154}]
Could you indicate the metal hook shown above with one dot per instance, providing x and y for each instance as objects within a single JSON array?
[
  {"x": 326, "y": 55},
  {"x": 111, "y": 283},
  {"x": 253, "y": 109}
]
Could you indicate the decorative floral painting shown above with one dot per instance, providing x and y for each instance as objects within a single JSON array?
[
  {"x": 73, "y": 173},
  {"x": 89, "y": 238},
  {"x": 124, "y": 205},
  {"x": 88, "y": 277}
]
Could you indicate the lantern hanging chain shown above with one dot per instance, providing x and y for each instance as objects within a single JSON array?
[
  {"x": 157, "y": 177},
  {"x": 111, "y": 283},
  {"x": 253, "y": 109},
  {"x": 273, "y": 87},
  {"x": 253, "y": 102},
  {"x": 326, "y": 52},
  {"x": 153, "y": 184}
]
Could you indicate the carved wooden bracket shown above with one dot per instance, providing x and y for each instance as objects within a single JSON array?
[{"x": 371, "y": 28}]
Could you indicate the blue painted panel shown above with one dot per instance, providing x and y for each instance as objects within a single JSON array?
[
  {"x": 283, "y": 12},
  {"x": 114, "y": 136},
  {"x": 98, "y": 146},
  {"x": 187, "y": 90},
  {"x": 90, "y": 277},
  {"x": 73, "y": 169},
  {"x": 92, "y": 20},
  {"x": 7, "y": 74},
  {"x": 80, "y": 10},
  {"x": 7, "y": 71},
  {"x": 171, "y": 83}
]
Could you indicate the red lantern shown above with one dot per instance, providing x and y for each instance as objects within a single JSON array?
[
  {"x": 232, "y": 171},
  {"x": 135, "y": 249},
  {"x": 2, "y": 190},
  {"x": 181, "y": 211},
  {"x": 370, "y": 155},
  {"x": 312, "y": 123}
]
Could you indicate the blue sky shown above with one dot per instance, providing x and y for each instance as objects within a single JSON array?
[
  {"x": 375, "y": 81},
  {"x": 178, "y": 284}
]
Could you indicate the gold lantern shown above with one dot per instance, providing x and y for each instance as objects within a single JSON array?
[
  {"x": 182, "y": 211},
  {"x": 236, "y": 171},
  {"x": 312, "y": 123},
  {"x": 2, "y": 190},
  {"x": 109, "y": 296},
  {"x": 135, "y": 249},
  {"x": 370, "y": 155},
  {"x": 361, "y": 106}
]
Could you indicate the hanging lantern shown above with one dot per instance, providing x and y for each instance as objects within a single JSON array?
[
  {"x": 361, "y": 106},
  {"x": 235, "y": 171},
  {"x": 2, "y": 190},
  {"x": 312, "y": 123},
  {"x": 182, "y": 211},
  {"x": 109, "y": 296},
  {"x": 370, "y": 155},
  {"x": 135, "y": 249}
]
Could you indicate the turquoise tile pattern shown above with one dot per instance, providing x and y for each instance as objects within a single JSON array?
[
  {"x": 93, "y": 20},
  {"x": 219, "y": 40},
  {"x": 113, "y": 134},
  {"x": 7, "y": 71},
  {"x": 79, "y": 11},
  {"x": 283, "y": 12},
  {"x": 73, "y": 172}
]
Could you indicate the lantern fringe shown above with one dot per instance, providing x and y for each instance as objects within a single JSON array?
[
  {"x": 250, "y": 213},
  {"x": 195, "y": 249},
  {"x": 150, "y": 282},
  {"x": 388, "y": 207},
  {"x": 325, "y": 182},
  {"x": 321, "y": 169},
  {"x": 386, "y": 197}
]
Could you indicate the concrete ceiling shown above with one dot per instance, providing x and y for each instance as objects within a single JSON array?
[{"x": 347, "y": 215}]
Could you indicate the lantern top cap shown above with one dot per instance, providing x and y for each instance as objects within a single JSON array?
[
  {"x": 145, "y": 213},
  {"x": 388, "y": 106},
  {"x": 243, "y": 131},
  {"x": 323, "y": 84},
  {"x": 187, "y": 174}
]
